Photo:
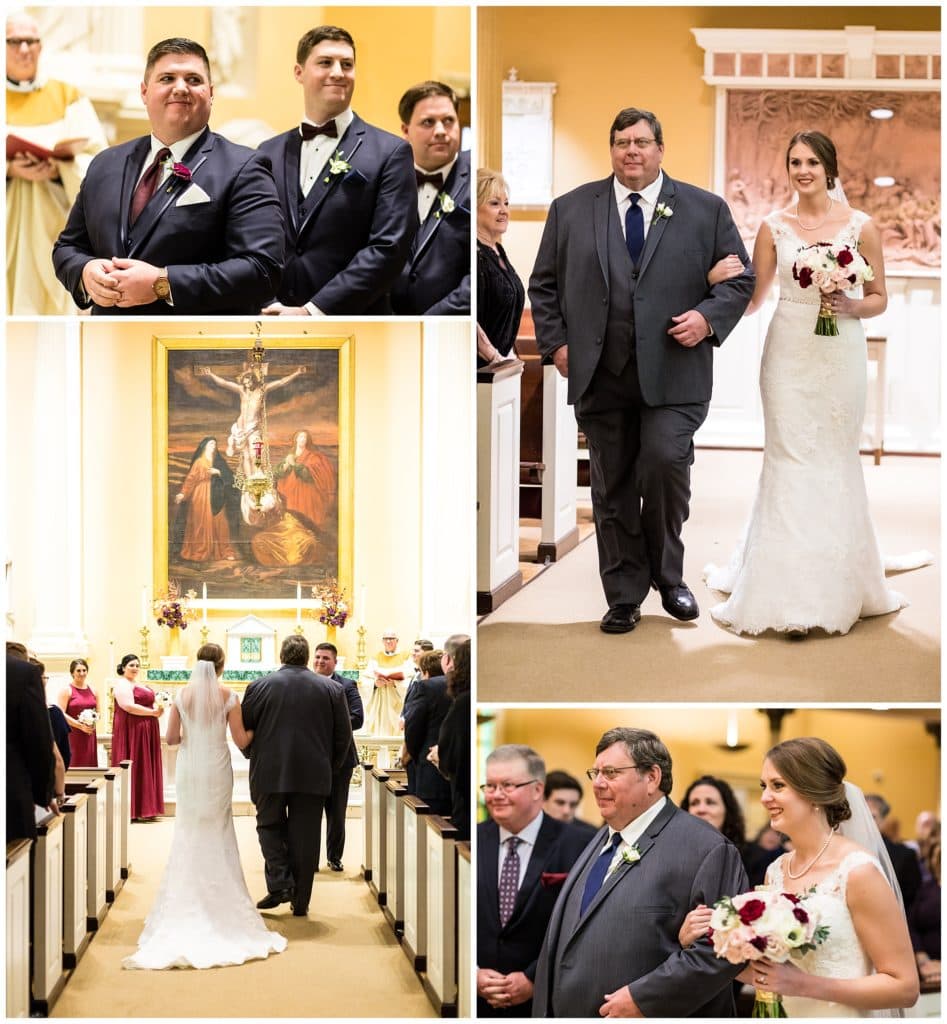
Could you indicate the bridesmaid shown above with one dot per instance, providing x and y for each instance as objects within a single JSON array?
[
  {"x": 73, "y": 699},
  {"x": 135, "y": 735}
]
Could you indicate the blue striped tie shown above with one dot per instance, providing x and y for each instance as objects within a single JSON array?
[{"x": 596, "y": 876}]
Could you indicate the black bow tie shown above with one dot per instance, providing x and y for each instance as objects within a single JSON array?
[
  {"x": 310, "y": 131},
  {"x": 436, "y": 179}
]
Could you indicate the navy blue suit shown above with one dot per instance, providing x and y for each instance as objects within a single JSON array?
[
  {"x": 338, "y": 799},
  {"x": 223, "y": 256},
  {"x": 423, "y": 716},
  {"x": 348, "y": 239},
  {"x": 515, "y": 946},
  {"x": 436, "y": 279}
]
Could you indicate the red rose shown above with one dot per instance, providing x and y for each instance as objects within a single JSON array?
[
  {"x": 751, "y": 911},
  {"x": 181, "y": 171},
  {"x": 800, "y": 915},
  {"x": 845, "y": 257},
  {"x": 759, "y": 942},
  {"x": 805, "y": 277},
  {"x": 792, "y": 897}
]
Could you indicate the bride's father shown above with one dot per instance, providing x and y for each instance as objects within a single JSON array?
[
  {"x": 622, "y": 306},
  {"x": 301, "y": 735},
  {"x": 611, "y": 948}
]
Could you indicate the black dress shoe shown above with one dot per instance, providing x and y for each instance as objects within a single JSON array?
[
  {"x": 621, "y": 618},
  {"x": 274, "y": 899},
  {"x": 679, "y": 602},
  {"x": 336, "y": 865},
  {"x": 300, "y": 911}
]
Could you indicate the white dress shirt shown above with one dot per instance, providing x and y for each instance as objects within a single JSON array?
[
  {"x": 314, "y": 153},
  {"x": 527, "y": 837},
  {"x": 427, "y": 193},
  {"x": 632, "y": 832},
  {"x": 178, "y": 150},
  {"x": 648, "y": 201}
]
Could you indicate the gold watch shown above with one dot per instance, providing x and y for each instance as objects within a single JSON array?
[{"x": 162, "y": 287}]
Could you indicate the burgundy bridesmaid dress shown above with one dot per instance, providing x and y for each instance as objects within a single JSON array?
[
  {"x": 138, "y": 739},
  {"x": 82, "y": 744}
]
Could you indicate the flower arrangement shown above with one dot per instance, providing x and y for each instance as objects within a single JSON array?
[
  {"x": 173, "y": 610},
  {"x": 766, "y": 923},
  {"x": 830, "y": 269},
  {"x": 447, "y": 205},
  {"x": 334, "y": 609},
  {"x": 88, "y": 717}
]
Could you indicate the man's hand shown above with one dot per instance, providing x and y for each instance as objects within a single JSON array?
[
  {"x": 278, "y": 309},
  {"x": 620, "y": 1004},
  {"x": 501, "y": 990},
  {"x": 519, "y": 988},
  {"x": 31, "y": 168},
  {"x": 689, "y": 328},
  {"x": 135, "y": 280},
  {"x": 100, "y": 283},
  {"x": 560, "y": 359}
]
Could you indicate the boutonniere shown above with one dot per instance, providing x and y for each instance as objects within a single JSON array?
[
  {"x": 447, "y": 205},
  {"x": 663, "y": 210},
  {"x": 629, "y": 855},
  {"x": 181, "y": 172},
  {"x": 337, "y": 165},
  {"x": 552, "y": 879}
]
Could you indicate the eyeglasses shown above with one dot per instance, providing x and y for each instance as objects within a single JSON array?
[
  {"x": 623, "y": 144},
  {"x": 507, "y": 788},
  {"x": 16, "y": 43},
  {"x": 609, "y": 772}
]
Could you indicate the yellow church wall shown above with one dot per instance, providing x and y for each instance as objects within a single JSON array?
[
  {"x": 396, "y": 47},
  {"x": 114, "y": 414},
  {"x": 603, "y": 59},
  {"x": 888, "y": 752}
]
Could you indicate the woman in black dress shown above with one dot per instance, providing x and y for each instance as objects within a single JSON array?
[{"x": 500, "y": 292}]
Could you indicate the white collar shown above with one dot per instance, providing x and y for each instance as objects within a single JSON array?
[
  {"x": 444, "y": 171},
  {"x": 178, "y": 149},
  {"x": 342, "y": 121},
  {"x": 649, "y": 193},
  {"x": 634, "y": 830},
  {"x": 527, "y": 834}
]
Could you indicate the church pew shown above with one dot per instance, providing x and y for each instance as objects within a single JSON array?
[
  {"x": 75, "y": 933},
  {"x": 440, "y": 978},
  {"x": 394, "y": 860},
  {"x": 414, "y": 941},
  {"x": 18, "y": 927},
  {"x": 375, "y": 824},
  {"x": 368, "y": 797},
  {"x": 96, "y": 828},
  {"x": 115, "y": 778},
  {"x": 126, "y": 767},
  {"x": 47, "y": 970},
  {"x": 465, "y": 953}
]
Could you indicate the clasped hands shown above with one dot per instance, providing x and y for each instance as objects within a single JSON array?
[
  {"x": 32, "y": 168},
  {"x": 120, "y": 282},
  {"x": 503, "y": 990}
]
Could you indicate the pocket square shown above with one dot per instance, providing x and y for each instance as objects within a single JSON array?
[
  {"x": 355, "y": 177},
  {"x": 192, "y": 196},
  {"x": 552, "y": 879}
]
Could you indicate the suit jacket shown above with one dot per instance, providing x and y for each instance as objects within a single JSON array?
[
  {"x": 29, "y": 748},
  {"x": 569, "y": 287},
  {"x": 436, "y": 279},
  {"x": 301, "y": 731},
  {"x": 628, "y": 936},
  {"x": 356, "y": 715},
  {"x": 515, "y": 946},
  {"x": 422, "y": 723},
  {"x": 453, "y": 760},
  {"x": 222, "y": 256},
  {"x": 345, "y": 254},
  {"x": 907, "y": 870}
]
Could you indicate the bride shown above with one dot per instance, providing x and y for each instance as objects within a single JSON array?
[
  {"x": 203, "y": 915},
  {"x": 809, "y": 558}
]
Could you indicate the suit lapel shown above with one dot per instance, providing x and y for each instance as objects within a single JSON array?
[
  {"x": 658, "y": 224},
  {"x": 545, "y": 841},
  {"x": 600, "y": 207},
  {"x": 168, "y": 192},
  {"x": 133, "y": 166},
  {"x": 454, "y": 186},
  {"x": 348, "y": 146},
  {"x": 489, "y": 850},
  {"x": 291, "y": 177}
]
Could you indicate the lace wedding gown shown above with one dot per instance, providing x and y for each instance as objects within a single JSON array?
[
  {"x": 809, "y": 557},
  {"x": 203, "y": 915},
  {"x": 841, "y": 955}
]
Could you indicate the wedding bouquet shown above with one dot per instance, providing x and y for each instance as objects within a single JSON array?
[
  {"x": 162, "y": 697},
  {"x": 88, "y": 717},
  {"x": 766, "y": 923},
  {"x": 830, "y": 269}
]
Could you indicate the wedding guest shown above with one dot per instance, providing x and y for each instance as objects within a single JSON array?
[
  {"x": 451, "y": 755},
  {"x": 562, "y": 795},
  {"x": 422, "y": 724},
  {"x": 904, "y": 859},
  {"x": 57, "y": 720},
  {"x": 760, "y": 852},
  {"x": 136, "y": 737},
  {"x": 30, "y": 760},
  {"x": 75, "y": 700},
  {"x": 500, "y": 292},
  {"x": 924, "y": 920},
  {"x": 713, "y": 801},
  {"x": 428, "y": 665}
]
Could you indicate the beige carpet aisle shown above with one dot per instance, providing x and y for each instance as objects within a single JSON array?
[
  {"x": 341, "y": 961},
  {"x": 544, "y": 644}
]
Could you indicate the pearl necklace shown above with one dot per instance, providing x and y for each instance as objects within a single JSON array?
[
  {"x": 815, "y": 227},
  {"x": 825, "y": 846}
]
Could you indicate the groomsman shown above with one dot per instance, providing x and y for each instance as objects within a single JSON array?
[
  {"x": 346, "y": 188},
  {"x": 436, "y": 279},
  {"x": 180, "y": 221},
  {"x": 323, "y": 664}
]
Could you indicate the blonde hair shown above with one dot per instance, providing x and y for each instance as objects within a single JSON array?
[{"x": 490, "y": 185}]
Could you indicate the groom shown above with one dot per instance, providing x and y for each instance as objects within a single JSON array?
[
  {"x": 611, "y": 948},
  {"x": 301, "y": 735},
  {"x": 621, "y": 305}
]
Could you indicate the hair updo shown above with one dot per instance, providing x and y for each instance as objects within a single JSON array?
[
  {"x": 816, "y": 772},
  {"x": 75, "y": 663},
  {"x": 120, "y": 668},
  {"x": 213, "y": 653}
]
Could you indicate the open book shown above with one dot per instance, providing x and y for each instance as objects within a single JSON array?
[{"x": 60, "y": 149}]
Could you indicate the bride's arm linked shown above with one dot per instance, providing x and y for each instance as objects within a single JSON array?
[
  {"x": 764, "y": 263},
  {"x": 883, "y": 933},
  {"x": 242, "y": 737}
]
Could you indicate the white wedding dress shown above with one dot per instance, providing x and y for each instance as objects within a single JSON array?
[
  {"x": 203, "y": 915},
  {"x": 809, "y": 558},
  {"x": 841, "y": 955}
]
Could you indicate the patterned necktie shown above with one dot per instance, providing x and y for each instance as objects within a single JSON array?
[
  {"x": 436, "y": 179},
  {"x": 634, "y": 228},
  {"x": 146, "y": 187},
  {"x": 310, "y": 131},
  {"x": 509, "y": 879},
  {"x": 596, "y": 876}
]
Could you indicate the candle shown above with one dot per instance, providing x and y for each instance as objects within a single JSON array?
[
  {"x": 361, "y": 606},
  {"x": 204, "y": 596},
  {"x": 299, "y": 603},
  {"x": 111, "y": 656},
  {"x": 144, "y": 606}
]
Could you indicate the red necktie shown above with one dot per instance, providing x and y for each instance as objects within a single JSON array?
[{"x": 146, "y": 187}]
